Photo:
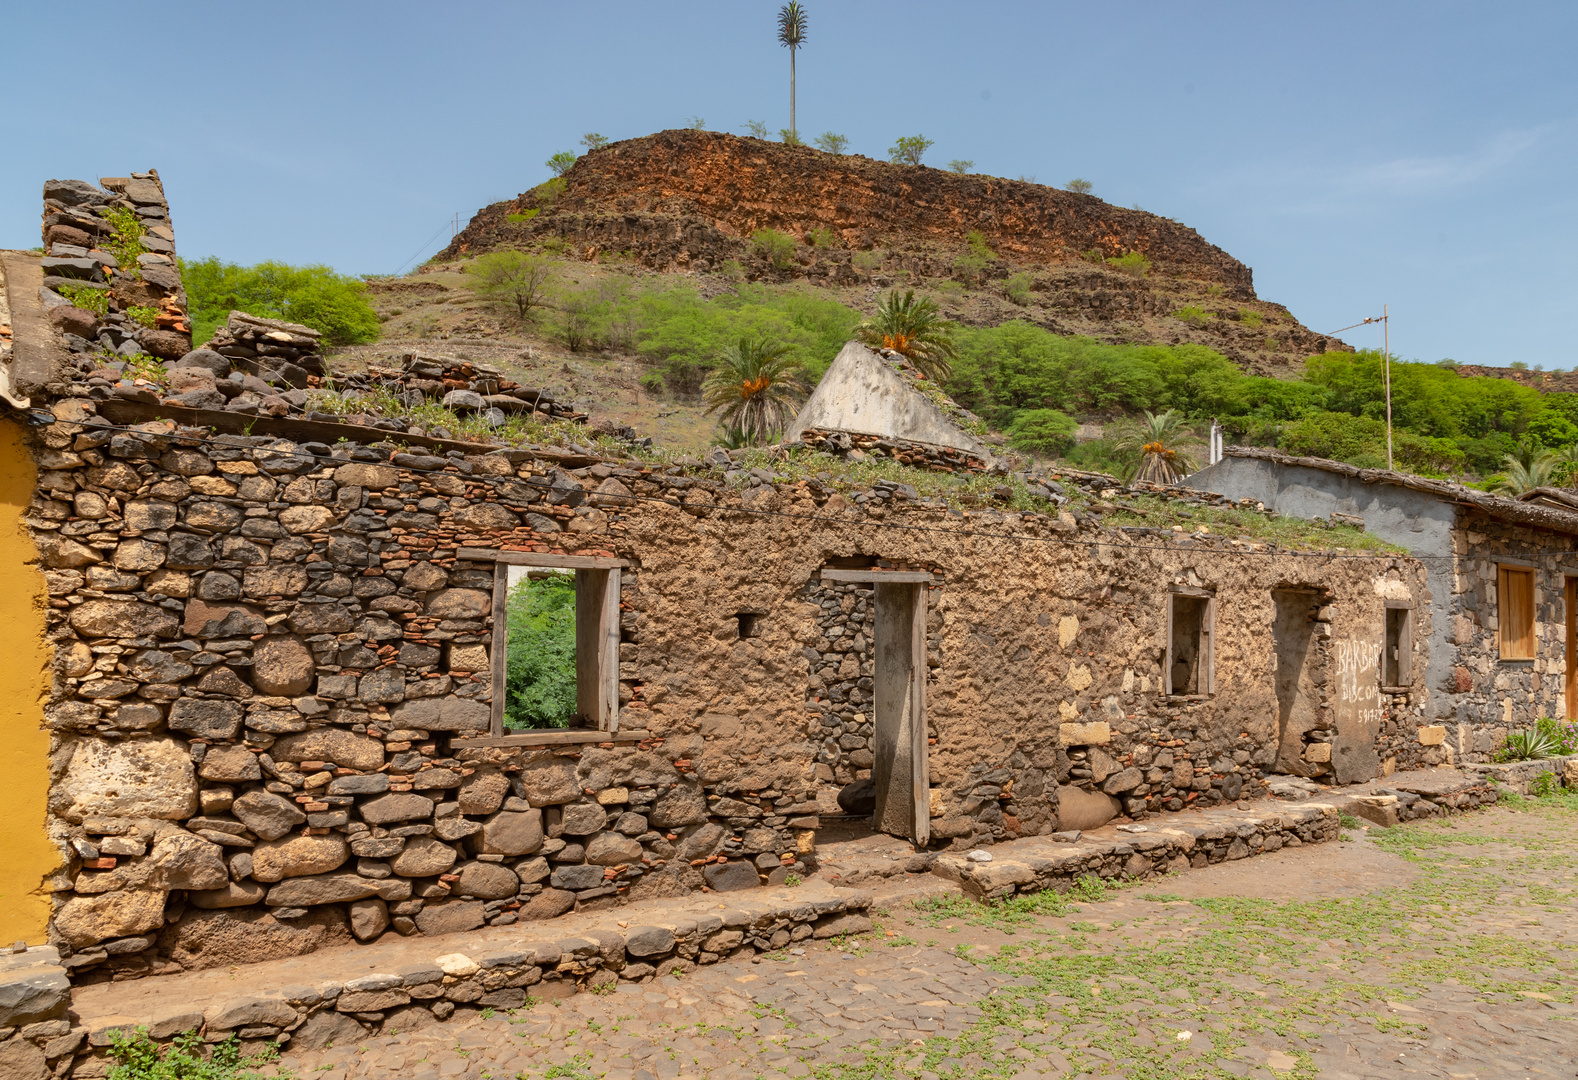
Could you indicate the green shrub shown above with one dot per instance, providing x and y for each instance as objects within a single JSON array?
[
  {"x": 977, "y": 257},
  {"x": 522, "y": 217},
  {"x": 561, "y": 163},
  {"x": 822, "y": 237},
  {"x": 867, "y": 261},
  {"x": 1079, "y": 187},
  {"x": 696, "y": 123},
  {"x": 547, "y": 193},
  {"x": 832, "y": 143},
  {"x": 333, "y": 304},
  {"x": 539, "y": 665},
  {"x": 516, "y": 281},
  {"x": 1043, "y": 431},
  {"x": 125, "y": 243},
  {"x": 138, "y": 1057},
  {"x": 758, "y": 129},
  {"x": 1017, "y": 288},
  {"x": 94, "y": 300},
  {"x": 1133, "y": 263},
  {"x": 594, "y": 141},
  {"x": 909, "y": 150},
  {"x": 145, "y": 316},
  {"x": 776, "y": 247},
  {"x": 960, "y": 166},
  {"x": 1193, "y": 315},
  {"x": 1246, "y": 317},
  {"x": 789, "y": 137}
]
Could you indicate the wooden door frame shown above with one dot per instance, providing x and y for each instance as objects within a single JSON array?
[{"x": 1570, "y": 646}]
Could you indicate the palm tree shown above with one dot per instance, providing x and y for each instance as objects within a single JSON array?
[
  {"x": 1525, "y": 473},
  {"x": 1566, "y": 460},
  {"x": 1161, "y": 462},
  {"x": 758, "y": 388},
  {"x": 914, "y": 328},
  {"x": 791, "y": 33}
]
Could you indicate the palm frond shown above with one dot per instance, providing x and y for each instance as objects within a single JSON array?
[
  {"x": 1521, "y": 473},
  {"x": 756, "y": 387},
  {"x": 791, "y": 24},
  {"x": 915, "y": 328}
]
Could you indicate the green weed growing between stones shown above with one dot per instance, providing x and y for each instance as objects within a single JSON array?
[{"x": 138, "y": 1057}]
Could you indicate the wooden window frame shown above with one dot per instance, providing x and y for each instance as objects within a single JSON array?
[
  {"x": 597, "y": 585},
  {"x": 1205, "y": 677},
  {"x": 1507, "y": 647},
  {"x": 1405, "y": 646}
]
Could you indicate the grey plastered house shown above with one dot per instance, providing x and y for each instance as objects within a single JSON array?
[{"x": 1502, "y": 574}]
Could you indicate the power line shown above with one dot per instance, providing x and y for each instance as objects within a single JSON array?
[{"x": 421, "y": 249}]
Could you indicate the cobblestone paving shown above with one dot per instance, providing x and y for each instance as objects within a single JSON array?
[{"x": 1469, "y": 970}]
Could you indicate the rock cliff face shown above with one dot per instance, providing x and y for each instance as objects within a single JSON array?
[{"x": 691, "y": 200}]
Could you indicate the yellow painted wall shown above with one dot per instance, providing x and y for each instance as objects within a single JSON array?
[{"x": 26, "y": 854}]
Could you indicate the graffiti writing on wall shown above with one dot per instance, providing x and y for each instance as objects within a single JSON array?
[{"x": 1358, "y": 681}]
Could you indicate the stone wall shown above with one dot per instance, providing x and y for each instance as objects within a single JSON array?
[
  {"x": 1491, "y": 697},
  {"x": 270, "y": 659},
  {"x": 141, "y": 308}
]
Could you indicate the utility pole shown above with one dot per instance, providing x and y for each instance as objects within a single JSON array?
[{"x": 1385, "y": 319}]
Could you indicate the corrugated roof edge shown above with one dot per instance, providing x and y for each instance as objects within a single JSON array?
[{"x": 1497, "y": 506}]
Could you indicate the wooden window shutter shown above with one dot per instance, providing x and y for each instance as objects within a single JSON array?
[
  {"x": 1167, "y": 653},
  {"x": 1515, "y": 612}
]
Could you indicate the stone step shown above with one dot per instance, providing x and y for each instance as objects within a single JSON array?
[{"x": 348, "y": 993}]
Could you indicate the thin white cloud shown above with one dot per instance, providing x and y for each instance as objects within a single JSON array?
[{"x": 1302, "y": 187}]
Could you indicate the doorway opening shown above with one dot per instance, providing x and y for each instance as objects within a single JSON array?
[
  {"x": 900, "y": 772},
  {"x": 1298, "y": 675}
]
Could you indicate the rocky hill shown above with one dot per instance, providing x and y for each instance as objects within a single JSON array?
[{"x": 691, "y": 201}]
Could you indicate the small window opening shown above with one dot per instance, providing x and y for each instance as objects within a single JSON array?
[
  {"x": 1515, "y": 611},
  {"x": 1189, "y": 663},
  {"x": 749, "y": 624},
  {"x": 1396, "y": 661},
  {"x": 556, "y": 634}
]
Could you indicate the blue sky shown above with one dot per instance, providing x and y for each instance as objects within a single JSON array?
[{"x": 1420, "y": 155}]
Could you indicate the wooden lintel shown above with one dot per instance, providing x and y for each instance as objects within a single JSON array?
[
  {"x": 555, "y": 738},
  {"x": 534, "y": 558},
  {"x": 874, "y": 575}
]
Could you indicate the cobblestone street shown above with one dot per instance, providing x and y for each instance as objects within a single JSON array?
[{"x": 1441, "y": 949}]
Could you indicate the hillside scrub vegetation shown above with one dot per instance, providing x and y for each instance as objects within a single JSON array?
[
  {"x": 1021, "y": 378},
  {"x": 333, "y": 304}
]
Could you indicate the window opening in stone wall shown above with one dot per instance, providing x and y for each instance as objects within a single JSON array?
[
  {"x": 539, "y": 649},
  {"x": 1189, "y": 669},
  {"x": 556, "y": 647},
  {"x": 1397, "y": 652},
  {"x": 1515, "y": 611},
  {"x": 748, "y": 624}
]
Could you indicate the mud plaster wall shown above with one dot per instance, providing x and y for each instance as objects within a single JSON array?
[
  {"x": 27, "y": 856},
  {"x": 268, "y": 659},
  {"x": 1486, "y": 697}
]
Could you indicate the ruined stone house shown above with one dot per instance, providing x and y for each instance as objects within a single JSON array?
[
  {"x": 1502, "y": 578},
  {"x": 251, "y": 710}
]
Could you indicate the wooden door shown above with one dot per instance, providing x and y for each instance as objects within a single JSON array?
[{"x": 1570, "y": 673}]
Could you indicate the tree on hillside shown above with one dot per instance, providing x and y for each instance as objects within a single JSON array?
[
  {"x": 915, "y": 328},
  {"x": 593, "y": 141},
  {"x": 791, "y": 35},
  {"x": 910, "y": 149},
  {"x": 758, "y": 128},
  {"x": 1157, "y": 440},
  {"x": 1079, "y": 187},
  {"x": 517, "y": 281},
  {"x": 756, "y": 387},
  {"x": 960, "y": 165},
  {"x": 561, "y": 162},
  {"x": 832, "y": 143},
  {"x": 333, "y": 304},
  {"x": 1525, "y": 472}
]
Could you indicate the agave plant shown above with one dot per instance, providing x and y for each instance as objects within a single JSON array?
[
  {"x": 915, "y": 328},
  {"x": 1157, "y": 440},
  {"x": 1521, "y": 473},
  {"x": 757, "y": 387},
  {"x": 1531, "y": 744}
]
